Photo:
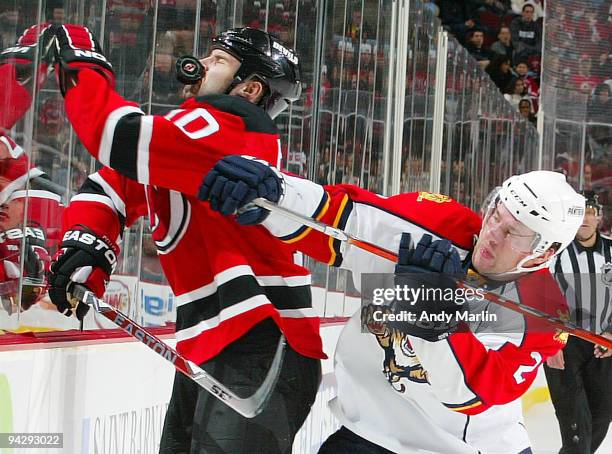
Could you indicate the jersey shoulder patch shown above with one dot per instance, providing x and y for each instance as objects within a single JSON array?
[{"x": 254, "y": 117}]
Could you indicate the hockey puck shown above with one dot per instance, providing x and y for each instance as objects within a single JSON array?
[{"x": 189, "y": 70}]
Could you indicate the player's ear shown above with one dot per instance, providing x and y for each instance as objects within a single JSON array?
[
  {"x": 253, "y": 90},
  {"x": 541, "y": 258}
]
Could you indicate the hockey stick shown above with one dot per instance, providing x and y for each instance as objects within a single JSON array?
[
  {"x": 248, "y": 407},
  {"x": 523, "y": 309}
]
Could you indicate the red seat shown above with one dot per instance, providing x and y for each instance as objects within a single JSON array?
[{"x": 491, "y": 22}]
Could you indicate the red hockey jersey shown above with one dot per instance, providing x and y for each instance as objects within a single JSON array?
[
  {"x": 226, "y": 277},
  {"x": 15, "y": 167}
]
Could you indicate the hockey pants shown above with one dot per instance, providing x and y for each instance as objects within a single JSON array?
[
  {"x": 581, "y": 394},
  {"x": 344, "y": 441},
  {"x": 198, "y": 423}
]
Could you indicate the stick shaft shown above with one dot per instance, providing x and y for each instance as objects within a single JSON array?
[
  {"x": 389, "y": 255},
  {"x": 248, "y": 407}
]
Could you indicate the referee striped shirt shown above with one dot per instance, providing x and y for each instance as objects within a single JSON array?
[{"x": 585, "y": 277}]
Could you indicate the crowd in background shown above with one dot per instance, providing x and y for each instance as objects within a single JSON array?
[{"x": 504, "y": 36}]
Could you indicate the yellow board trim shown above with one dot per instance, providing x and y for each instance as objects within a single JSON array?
[
  {"x": 31, "y": 329},
  {"x": 534, "y": 397}
]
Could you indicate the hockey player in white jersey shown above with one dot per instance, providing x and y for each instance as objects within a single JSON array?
[{"x": 406, "y": 389}]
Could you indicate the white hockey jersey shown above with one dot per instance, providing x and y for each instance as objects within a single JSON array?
[{"x": 458, "y": 395}]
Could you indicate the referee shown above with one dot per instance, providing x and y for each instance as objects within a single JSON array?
[{"x": 580, "y": 376}]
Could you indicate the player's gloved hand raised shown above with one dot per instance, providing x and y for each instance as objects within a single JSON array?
[
  {"x": 85, "y": 258},
  {"x": 35, "y": 270},
  {"x": 437, "y": 256},
  {"x": 429, "y": 268},
  {"x": 18, "y": 68},
  {"x": 235, "y": 181},
  {"x": 77, "y": 48},
  {"x": 35, "y": 267},
  {"x": 34, "y": 41}
]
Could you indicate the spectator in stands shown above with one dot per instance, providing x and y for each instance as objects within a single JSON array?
[
  {"x": 494, "y": 6},
  {"x": 599, "y": 108},
  {"x": 430, "y": 5},
  {"x": 591, "y": 31},
  {"x": 584, "y": 81},
  {"x": 531, "y": 83},
  {"x": 603, "y": 68},
  {"x": 515, "y": 91},
  {"x": 9, "y": 24},
  {"x": 358, "y": 28},
  {"x": 587, "y": 180},
  {"x": 500, "y": 71},
  {"x": 477, "y": 48},
  {"x": 456, "y": 17},
  {"x": 518, "y": 5},
  {"x": 534, "y": 63},
  {"x": 55, "y": 11},
  {"x": 503, "y": 45},
  {"x": 526, "y": 34},
  {"x": 526, "y": 110},
  {"x": 323, "y": 169}
]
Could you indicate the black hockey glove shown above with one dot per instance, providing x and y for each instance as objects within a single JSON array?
[
  {"x": 428, "y": 273},
  {"x": 77, "y": 48},
  {"x": 18, "y": 68},
  {"x": 33, "y": 280},
  {"x": 235, "y": 181},
  {"x": 428, "y": 256},
  {"x": 84, "y": 258},
  {"x": 36, "y": 40}
]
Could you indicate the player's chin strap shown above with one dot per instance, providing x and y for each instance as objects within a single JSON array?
[
  {"x": 519, "y": 269},
  {"x": 523, "y": 309},
  {"x": 248, "y": 407}
]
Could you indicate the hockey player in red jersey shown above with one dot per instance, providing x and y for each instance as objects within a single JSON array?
[
  {"x": 39, "y": 239},
  {"x": 235, "y": 289},
  {"x": 428, "y": 388},
  {"x": 18, "y": 73}
]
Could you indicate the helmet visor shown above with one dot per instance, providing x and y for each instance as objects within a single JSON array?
[{"x": 499, "y": 224}]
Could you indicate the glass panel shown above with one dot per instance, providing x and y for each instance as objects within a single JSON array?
[
  {"x": 334, "y": 134},
  {"x": 419, "y": 103},
  {"x": 29, "y": 219},
  {"x": 346, "y": 145},
  {"x": 485, "y": 139},
  {"x": 576, "y": 95}
]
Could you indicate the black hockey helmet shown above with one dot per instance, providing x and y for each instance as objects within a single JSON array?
[
  {"x": 263, "y": 56},
  {"x": 592, "y": 200}
]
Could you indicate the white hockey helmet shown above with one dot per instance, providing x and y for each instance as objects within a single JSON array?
[{"x": 544, "y": 202}]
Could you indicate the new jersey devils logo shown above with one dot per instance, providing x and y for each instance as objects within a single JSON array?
[{"x": 189, "y": 68}]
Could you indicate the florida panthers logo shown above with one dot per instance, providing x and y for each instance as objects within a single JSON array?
[
  {"x": 400, "y": 361},
  {"x": 432, "y": 197}
]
